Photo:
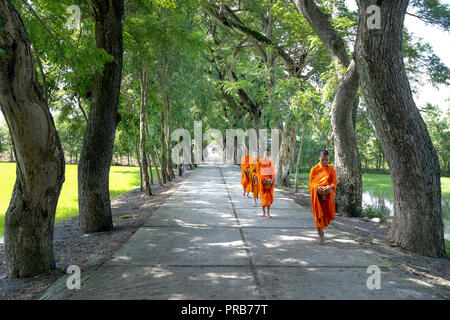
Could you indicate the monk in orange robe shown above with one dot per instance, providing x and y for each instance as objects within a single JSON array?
[
  {"x": 265, "y": 170},
  {"x": 322, "y": 177},
  {"x": 254, "y": 176},
  {"x": 245, "y": 165}
]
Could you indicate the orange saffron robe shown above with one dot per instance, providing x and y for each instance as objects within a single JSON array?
[
  {"x": 265, "y": 170},
  {"x": 245, "y": 164},
  {"x": 323, "y": 210},
  {"x": 254, "y": 173}
]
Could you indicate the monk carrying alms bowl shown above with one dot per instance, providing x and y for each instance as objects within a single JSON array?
[
  {"x": 266, "y": 175},
  {"x": 322, "y": 187},
  {"x": 267, "y": 183},
  {"x": 245, "y": 168},
  {"x": 247, "y": 173},
  {"x": 323, "y": 193}
]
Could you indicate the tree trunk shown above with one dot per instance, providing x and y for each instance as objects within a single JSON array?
[
  {"x": 30, "y": 217},
  {"x": 93, "y": 172},
  {"x": 149, "y": 161},
  {"x": 144, "y": 167},
  {"x": 286, "y": 155},
  {"x": 163, "y": 161},
  {"x": 347, "y": 163},
  {"x": 412, "y": 159},
  {"x": 299, "y": 155},
  {"x": 156, "y": 166},
  {"x": 170, "y": 173},
  {"x": 136, "y": 149}
]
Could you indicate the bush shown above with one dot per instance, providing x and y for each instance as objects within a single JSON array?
[{"x": 371, "y": 212}]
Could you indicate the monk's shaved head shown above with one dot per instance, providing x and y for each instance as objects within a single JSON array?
[
  {"x": 324, "y": 157},
  {"x": 324, "y": 153}
]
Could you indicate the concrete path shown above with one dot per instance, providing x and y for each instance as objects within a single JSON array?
[{"x": 208, "y": 242}]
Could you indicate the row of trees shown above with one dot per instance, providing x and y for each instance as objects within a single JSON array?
[
  {"x": 134, "y": 71},
  {"x": 370, "y": 150}
]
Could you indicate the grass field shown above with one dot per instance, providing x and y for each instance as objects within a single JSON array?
[{"x": 121, "y": 180}]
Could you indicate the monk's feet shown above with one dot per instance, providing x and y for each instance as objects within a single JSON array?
[
  {"x": 270, "y": 216},
  {"x": 262, "y": 216},
  {"x": 321, "y": 242}
]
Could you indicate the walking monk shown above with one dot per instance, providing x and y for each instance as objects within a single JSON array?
[
  {"x": 245, "y": 167},
  {"x": 322, "y": 185},
  {"x": 254, "y": 176},
  {"x": 266, "y": 171}
]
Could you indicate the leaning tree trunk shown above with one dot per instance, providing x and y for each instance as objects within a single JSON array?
[
  {"x": 299, "y": 155},
  {"x": 347, "y": 163},
  {"x": 348, "y": 196},
  {"x": 286, "y": 155},
  {"x": 412, "y": 159},
  {"x": 30, "y": 217},
  {"x": 144, "y": 166},
  {"x": 93, "y": 172}
]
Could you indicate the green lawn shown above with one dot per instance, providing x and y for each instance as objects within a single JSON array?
[{"x": 121, "y": 180}]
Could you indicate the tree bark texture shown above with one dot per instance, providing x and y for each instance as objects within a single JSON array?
[
  {"x": 348, "y": 197},
  {"x": 96, "y": 156},
  {"x": 412, "y": 159},
  {"x": 163, "y": 160},
  {"x": 156, "y": 166},
  {"x": 170, "y": 173},
  {"x": 143, "y": 153},
  {"x": 30, "y": 217},
  {"x": 299, "y": 155},
  {"x": 138, "y": 158},
  {"x": 286, "y": 155}
]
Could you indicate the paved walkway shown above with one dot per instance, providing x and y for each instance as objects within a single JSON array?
[{"x": 208, "y": 242}]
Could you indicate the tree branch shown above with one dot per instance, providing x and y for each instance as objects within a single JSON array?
[
  {"x": 323, "y": 28},
  {"x": 292, "y": 67}
]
